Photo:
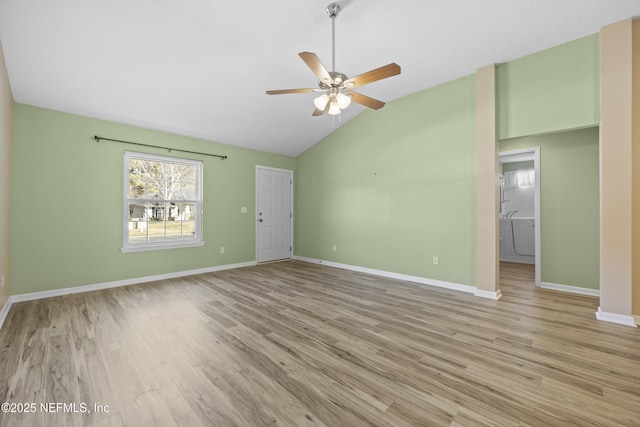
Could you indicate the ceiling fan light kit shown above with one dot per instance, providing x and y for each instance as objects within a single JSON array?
[{"x": 336, "y": 86}]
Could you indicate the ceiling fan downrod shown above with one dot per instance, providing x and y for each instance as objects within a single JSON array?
[{"x": 333, "y": 10}]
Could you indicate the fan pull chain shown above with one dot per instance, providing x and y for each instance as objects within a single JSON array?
[{"x": 333, "y": 119}]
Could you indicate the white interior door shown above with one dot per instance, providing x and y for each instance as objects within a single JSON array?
[{"x": 274, "y": 212}]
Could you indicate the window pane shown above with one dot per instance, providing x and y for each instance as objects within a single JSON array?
[
  {"x": 174, "y": 230},
  {"x": 188, "y": 229},
  {"x": 186, "y": 211},
  {"x": 155, "y": 179},
  {"x": 137, "y": 231},
  {"x": 137, "y": 226},
  {"x": 156, "y": 231},
  {"x": 137, "y": 179},
  {"x": 137, "y": 212},
  {"x": 182, "y": 190},
  {"x": 185, "y": 226}
]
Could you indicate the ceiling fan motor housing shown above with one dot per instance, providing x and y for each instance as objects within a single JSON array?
[{"x": 338, "y": 80}]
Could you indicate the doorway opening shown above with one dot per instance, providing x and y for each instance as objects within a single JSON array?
[{"x": 519, "y": 214}]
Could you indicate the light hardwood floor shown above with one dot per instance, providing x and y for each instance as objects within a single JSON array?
[{"x": 298, "y": 344}]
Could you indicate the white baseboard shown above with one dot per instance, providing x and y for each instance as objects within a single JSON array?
[
  {"x": 488, "y": 294},
  {"x": 417, "y": 279},
  {"x": 106, "y": 285},
  {"x": 620, "y": 319},
  {"x": 572, "y": 289}
]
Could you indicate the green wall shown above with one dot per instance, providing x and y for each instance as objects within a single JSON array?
[
  {"x": 514, "y": 166},
  {"x": 67, "y": 202},
  {"x": 549, "y": 91},
  {"x": 395, "y": 187},
  {"x": 569, "y": 205}
]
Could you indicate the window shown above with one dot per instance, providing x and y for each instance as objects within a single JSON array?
[
  {"x": 162, "y": 202},
  {"x": 519, "y": 178}
]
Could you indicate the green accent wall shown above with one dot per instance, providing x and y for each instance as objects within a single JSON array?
[
  {"x": 67, "y": 196},
  {"x": 393, "y": 188},
  {"x": 569, "y": 205},
  {"x": 549, "y": 91}
]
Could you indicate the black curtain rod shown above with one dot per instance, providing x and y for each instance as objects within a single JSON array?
[{"x": 98, "y": 138}]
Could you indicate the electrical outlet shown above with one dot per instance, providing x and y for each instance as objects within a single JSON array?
[
  {"x": 435, "y": 260},
  {"x": 221, "y": 249},
  {"x": 335, "y": 248},
  {"x": 243, "y": 209}
]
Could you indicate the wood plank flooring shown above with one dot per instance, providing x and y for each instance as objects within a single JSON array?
[{"x": 298, "y": 344}]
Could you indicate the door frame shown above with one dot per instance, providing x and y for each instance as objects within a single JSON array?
[
  {"x": 535, "y": 151},
  {"x": 255, "y": 212}
]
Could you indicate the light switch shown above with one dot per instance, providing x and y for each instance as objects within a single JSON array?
[{"x": 243, "y": 209}]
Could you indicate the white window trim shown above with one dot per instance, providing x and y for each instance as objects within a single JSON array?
[{"x": 153, "y": 246}]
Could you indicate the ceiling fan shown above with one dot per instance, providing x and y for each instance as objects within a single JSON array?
[{"x": 337, "y": 87}]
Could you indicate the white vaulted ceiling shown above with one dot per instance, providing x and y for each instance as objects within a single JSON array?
[{"x": 201, "y": 67}]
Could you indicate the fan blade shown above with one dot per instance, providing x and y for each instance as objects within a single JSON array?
[
  {"x": 313, "y": 62},
  {"x": 366, "y": 101},
  {"x": 373, "y": 75},
  {"x": 283, "y": 91}
]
